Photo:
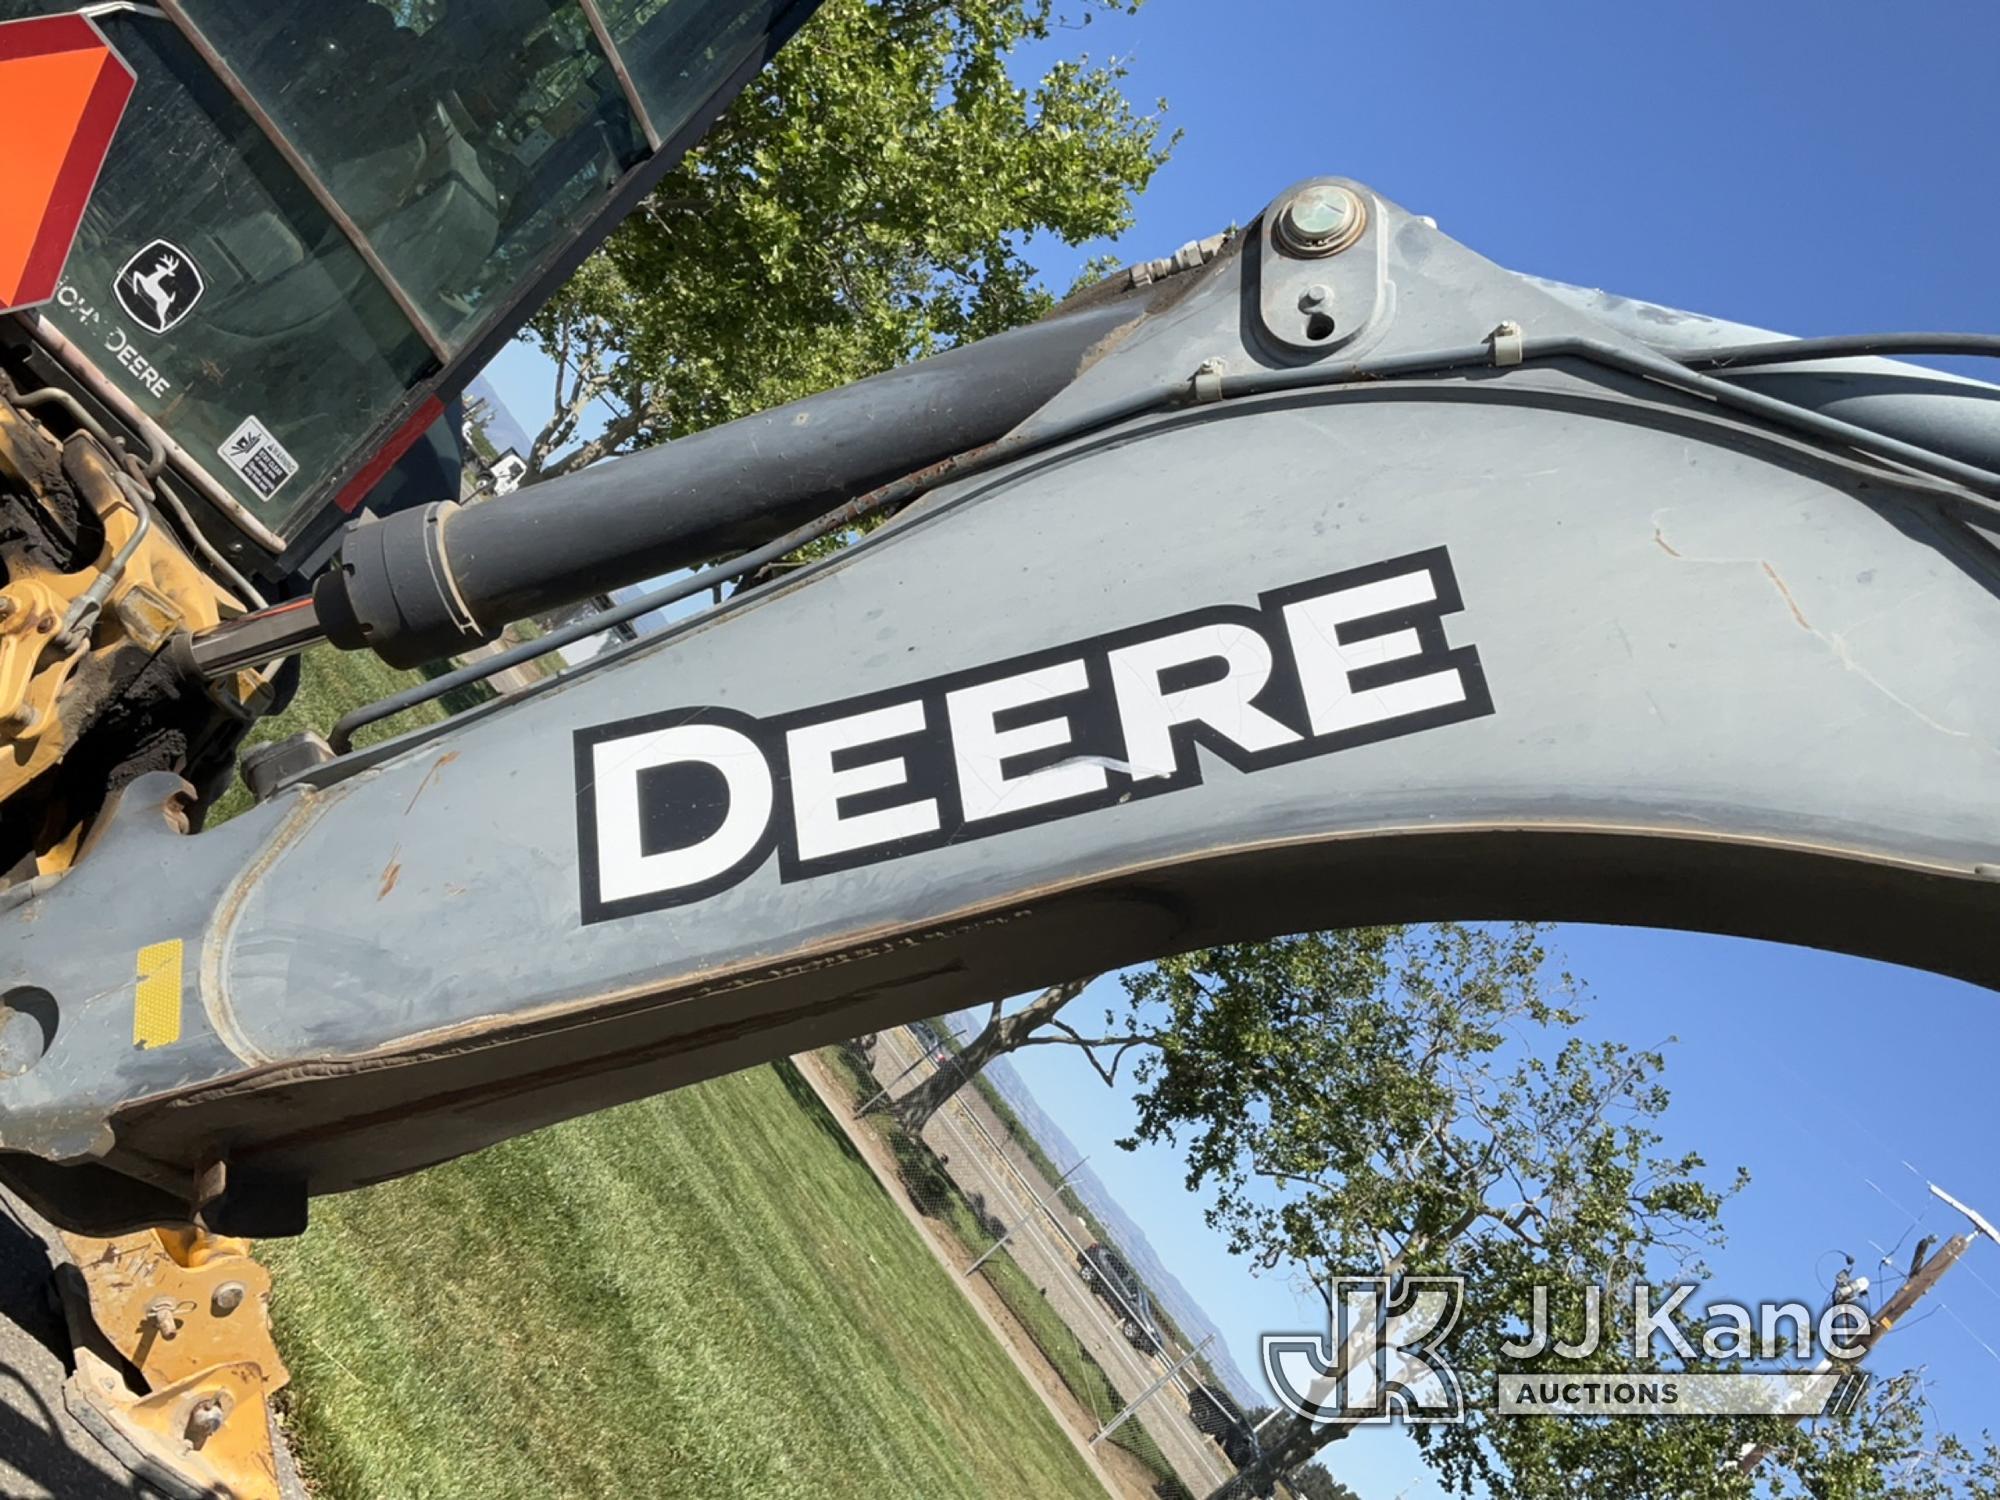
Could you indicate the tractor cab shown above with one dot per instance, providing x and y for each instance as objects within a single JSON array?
[{"x": 317, "y": 222}]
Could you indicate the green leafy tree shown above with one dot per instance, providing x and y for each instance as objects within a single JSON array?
[
  {"x": 1884, "y": 1450},
  {"x": 1396, "y": 1102},
  {"x": 862, "y": 203}
]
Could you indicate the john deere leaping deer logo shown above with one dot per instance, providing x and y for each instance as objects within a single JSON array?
[{"x": 159, "y": 286}]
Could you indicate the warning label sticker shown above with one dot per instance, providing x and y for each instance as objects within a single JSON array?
[{"x": 259, "y": 459}]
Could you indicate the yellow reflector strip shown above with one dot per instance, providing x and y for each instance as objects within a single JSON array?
[{"x": 156, "y": 1007}]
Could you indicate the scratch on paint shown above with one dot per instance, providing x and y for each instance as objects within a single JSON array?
[
  {"x": 1793, "y": 604},
  {"x": 436, "y": 766},
  {"x": 1835, "y": 641}
]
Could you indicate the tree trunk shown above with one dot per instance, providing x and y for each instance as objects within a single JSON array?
[
  {"x": 1294, "y": 1442},
  {"x": 1002, "y": 1035}
]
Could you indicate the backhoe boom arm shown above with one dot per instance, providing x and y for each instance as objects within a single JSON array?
[{"x": 1274, "y": 616}]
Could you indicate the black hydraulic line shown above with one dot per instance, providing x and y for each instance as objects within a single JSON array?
[
  {"x": 1985, "y": 485},
  {"x": 421, "y": 562},
  {"x": 1838, "y": 346}
]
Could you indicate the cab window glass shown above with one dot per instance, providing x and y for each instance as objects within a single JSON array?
[
  {"x": 465, "y": 138},
  {"x": 680, "y": 51},
  {"x": 210, "y": 287}
]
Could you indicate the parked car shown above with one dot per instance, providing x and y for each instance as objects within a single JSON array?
[
  {"x": 933, "y": 1044},
  {"x": 1111, "y": 1277}
]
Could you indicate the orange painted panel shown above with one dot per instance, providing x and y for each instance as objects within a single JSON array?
[{"x": 63, "y": 89}]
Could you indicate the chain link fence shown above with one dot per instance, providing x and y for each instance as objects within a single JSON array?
[{"x": 1000, "y": 1208}]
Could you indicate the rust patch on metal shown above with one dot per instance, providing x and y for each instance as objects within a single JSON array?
[
  {"x": 391, "y": 873},
  {"x": 1790, "y": 603}
]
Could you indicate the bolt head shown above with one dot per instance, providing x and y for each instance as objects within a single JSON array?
[
  {"x": 1319, "y": 221},
  {"x": 1320, "y": 213},
  {"x": 205, "y": 1420},
  {"x": 228, "y": 1297},
  {"x": 1314, "y": 296}
]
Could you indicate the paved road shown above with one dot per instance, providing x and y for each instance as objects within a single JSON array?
[
  {"x": 44, "y": 1454},
  {"x": 958, "y": 1133}
]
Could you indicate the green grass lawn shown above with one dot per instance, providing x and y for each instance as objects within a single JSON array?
[
  {"x": 706, "y": 1294},
  {"x": 941, "y": 1198}
]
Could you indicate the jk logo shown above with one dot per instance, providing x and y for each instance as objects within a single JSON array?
[{"x": 1379, "y": 1357}]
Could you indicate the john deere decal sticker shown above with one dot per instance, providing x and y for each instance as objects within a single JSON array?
[
  {"x": 679, "y": 805},
  {"x": 160, "y": 286}
]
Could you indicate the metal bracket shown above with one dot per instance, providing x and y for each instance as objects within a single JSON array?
[
  {"x": 1322, "y": 265},
  {"x": 1208, "y": 381},
  {"x": 137, "y": 591},
  {"x": 190, "y": 1313}
]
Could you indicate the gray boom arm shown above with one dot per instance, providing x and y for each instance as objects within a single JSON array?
[{"x": 1287, "y": 611}]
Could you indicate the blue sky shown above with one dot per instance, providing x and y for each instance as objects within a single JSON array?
[{"x": 1809, "y": 167}]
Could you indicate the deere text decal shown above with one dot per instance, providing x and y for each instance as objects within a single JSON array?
[{"x": 677, "y": 806}]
